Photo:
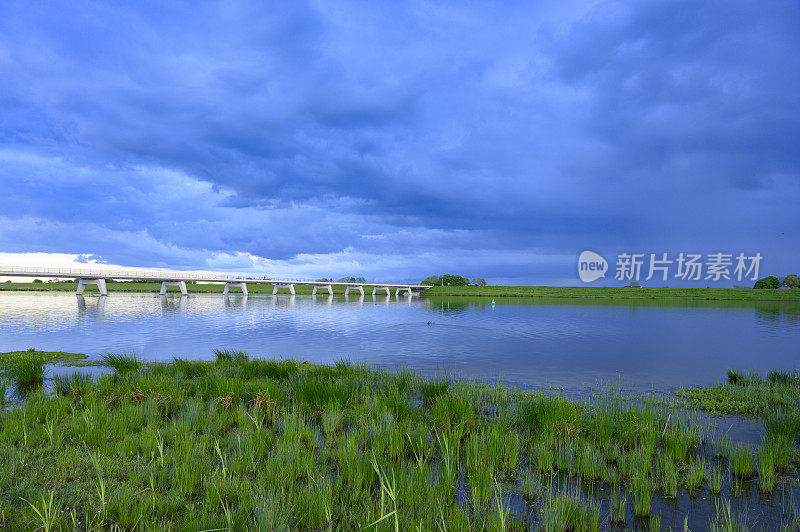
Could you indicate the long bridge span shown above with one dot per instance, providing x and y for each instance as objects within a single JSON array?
[{"x": 168, "y": 278}]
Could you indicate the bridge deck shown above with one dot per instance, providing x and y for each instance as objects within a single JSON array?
[{"x": 176, "y": 276}]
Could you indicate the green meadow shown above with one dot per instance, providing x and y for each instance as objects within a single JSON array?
[
  {"x": 241, "y": 443},
  {"x": 619, "y": 293},
  {"x": 552, "y": 292}
]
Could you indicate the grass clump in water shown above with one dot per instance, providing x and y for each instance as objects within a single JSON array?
[
  {"x": 27, "y": 374},
  {"x": 747, "y": 394},
  {"x": 569, "y": 511},
  {"x": 121, "y": 363},
  {"x": 742, "y": 461},
  {"x": 75, "y": 384}
]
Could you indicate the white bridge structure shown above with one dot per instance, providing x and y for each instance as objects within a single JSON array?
[{"x": 179, "y": 279}]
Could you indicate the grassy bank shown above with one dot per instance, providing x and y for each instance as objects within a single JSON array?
[
  {"x": 599, "y": 292},
  {"x": 241, "y": 444},
  {"x": 552, "y": 292}
]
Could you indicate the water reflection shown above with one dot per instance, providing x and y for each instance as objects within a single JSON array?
[
  {"x": 235, "y": 301},
  {"x": 775, "y": 317},
  {"x": 172, "y": 303},
  {"x": 96, "y": 305},
  {"x": 533, "y": 342},
  {"x": 359, "y": 300}
]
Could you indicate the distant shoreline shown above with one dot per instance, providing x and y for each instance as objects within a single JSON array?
[
  {"x": 600, "y": 292},
  {"x": 550, "y": 292}
]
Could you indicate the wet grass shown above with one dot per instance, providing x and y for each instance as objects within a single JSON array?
[
  {"x": 48, "y": 357},
  {"x": 241, "y": 443},
  {"x": 749, "y": 394}
]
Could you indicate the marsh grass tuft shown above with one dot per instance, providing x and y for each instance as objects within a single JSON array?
[
  {"x": 568, "y": 510},
  {"x": 231, "y": 355},
  {"x": 27, "y": 374},
  {"x": 76, "y": 384},
  {"x": 719, "y": 448},
  {"x": 766, "y": 469},
  {"x": 716, "y": 480},
  {"x": 742, "y": 461},
  {"x": 121, "y": 363},
  {"x": 695, "y": 473},
  {"x": 642, "y": 495}
]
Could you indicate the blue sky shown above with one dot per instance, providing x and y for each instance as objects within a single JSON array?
[{"x": 394, "y": 140}]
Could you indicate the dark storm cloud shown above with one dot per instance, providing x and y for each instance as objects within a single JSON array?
[{"x": 488, "y": 133}]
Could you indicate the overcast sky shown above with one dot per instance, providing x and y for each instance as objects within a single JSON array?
[{"x": 397, "y": 139}]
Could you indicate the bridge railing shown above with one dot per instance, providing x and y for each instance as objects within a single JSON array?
[{"x": 167, "y": 275}]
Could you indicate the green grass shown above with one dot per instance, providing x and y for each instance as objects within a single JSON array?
[
  {"x": 27, "y": 374},
  {"x": 750, "y": 395},
  {"x": 695, "y": 473},
  {"x": 742, "y": 461},
  {"x": 48, "y": 357},
  {"x": 580, "y": 292},
  {"x": 121, "y": 363},
  {"x": 600, "y": 292},
  {"x": 568, "y": 510},
  {"x": 242, "y": 443}
]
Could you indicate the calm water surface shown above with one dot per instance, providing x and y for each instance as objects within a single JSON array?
[{"x": 533, "y": 343}]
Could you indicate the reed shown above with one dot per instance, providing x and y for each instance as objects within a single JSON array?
[
  {"x": 27, "y": 374},
  {"x": 642, "y": 495},
  {"x": 243, "y": 443},
  {"x": 695, "y": 473},
  {"x": 742, "y": 461},
  {"x": 121, "y": 363},
  {"x": 568, "y": 510},
  {"x": 766, "y": 469}
]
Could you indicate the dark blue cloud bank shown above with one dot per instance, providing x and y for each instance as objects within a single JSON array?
[{"x": 396, "y": 140}]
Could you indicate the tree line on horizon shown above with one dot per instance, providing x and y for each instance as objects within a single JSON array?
[
  {"x": 452, "y": 280},
  {"x": 772, "y": 282}
]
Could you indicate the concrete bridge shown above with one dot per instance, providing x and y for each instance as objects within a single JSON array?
[{"x": 174, "y": 278}]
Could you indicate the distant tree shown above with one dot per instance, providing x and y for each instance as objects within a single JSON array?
[
  {"x": 352, "y": 280},
  {"x": 37, "y": 280},
  {"x": 633, "y": 284},
  {"x": 791, "y": 281},
  {"x": 430, "y": 280},
  {"x": 453, "y": 280},
  {"x": 770, "y": 282},
  {"x": 480, "y": 281},
  {"x": 324, "y": 280}
]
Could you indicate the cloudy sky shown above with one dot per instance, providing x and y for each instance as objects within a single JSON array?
[{"x": 397, "y": 139}]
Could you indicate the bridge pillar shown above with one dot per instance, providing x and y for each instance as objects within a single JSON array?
[
  {"x": 376, "y": 288},
  {"x": 278, "y": 285},
  {"x": 179, "y": 284},
  {"x": 329, "y": 288},
  {"x": 228, "y": 287},
  {"x": 359, "y": 288},
  {"x": 406, "y": 290},
  {"x": 101, "y": 285}
]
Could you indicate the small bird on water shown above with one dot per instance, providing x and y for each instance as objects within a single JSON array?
[{"x": 430, "y": 322}]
